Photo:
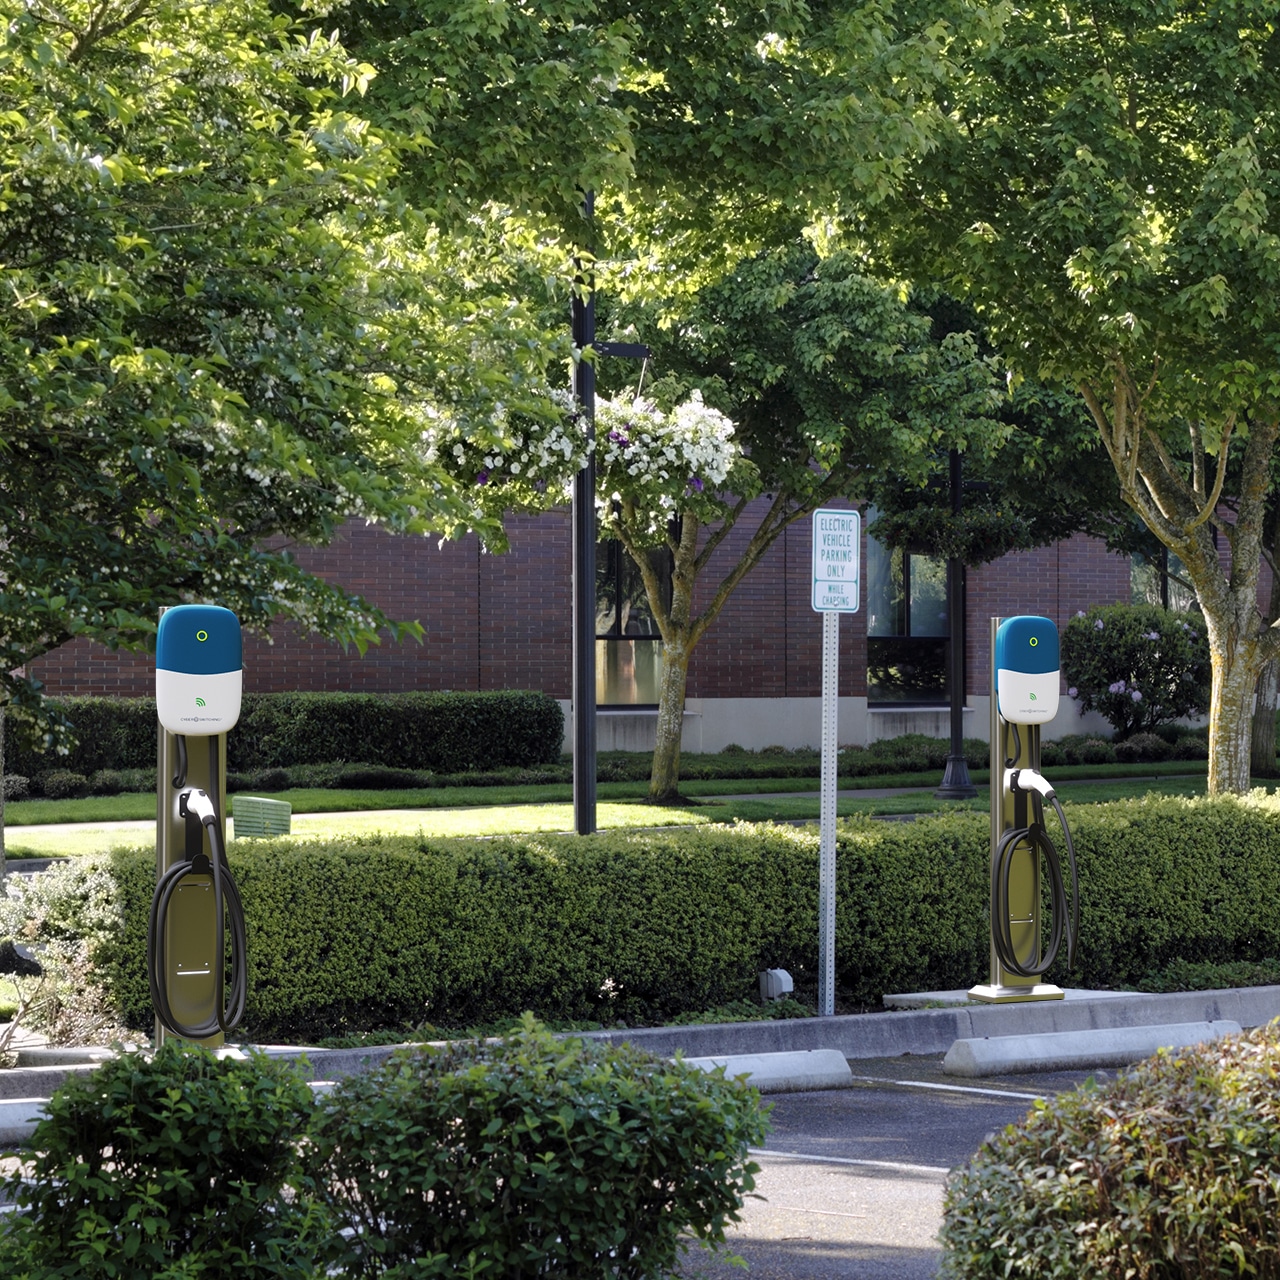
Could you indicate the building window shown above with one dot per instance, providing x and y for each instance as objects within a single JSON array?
[
  {"x": 1150, "y": 581},
  {"x": 908, "y": 626},
  {"x": 628, "y": 643}
]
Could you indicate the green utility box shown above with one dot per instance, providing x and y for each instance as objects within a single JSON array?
[{"x": 255, "y": 816}]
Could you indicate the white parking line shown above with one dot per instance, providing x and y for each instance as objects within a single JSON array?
[
  {"x": 952, "y": 1088},
  {"x": 891, "y": 1166}
]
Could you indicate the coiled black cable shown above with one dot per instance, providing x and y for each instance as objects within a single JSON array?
[
  {"x": 226, "y": 899},
  {"x": 1065, "y": 916}
]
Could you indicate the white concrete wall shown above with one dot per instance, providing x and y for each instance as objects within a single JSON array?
[{"x": 711, "y": 724}]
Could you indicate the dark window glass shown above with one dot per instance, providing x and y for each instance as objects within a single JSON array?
[
  {"x": 628, "y": 643},
  {"x": 908, "y": 626}
]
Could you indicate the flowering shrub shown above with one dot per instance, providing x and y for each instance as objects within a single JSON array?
[{"x": 1138, "y": 665}]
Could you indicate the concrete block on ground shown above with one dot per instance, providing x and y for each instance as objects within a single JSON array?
[
  {"x": 791, "y": 1072},
  {"x": 18, "y": 1118},
  {"x": 1073, "y": 1050}
]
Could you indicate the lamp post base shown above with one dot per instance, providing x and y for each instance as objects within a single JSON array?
[{"x": 955, "y": 781}]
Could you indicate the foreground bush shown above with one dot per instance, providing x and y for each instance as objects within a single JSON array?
[
  {"x": 534, "y": 1157},
  {"x": 172, "y": 1166},
  {"x": 525, "y": 1157},
  {"x": 1172, "y": 1171}
]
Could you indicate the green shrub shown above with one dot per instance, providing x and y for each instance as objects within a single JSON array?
[
  {"x": 270, "y": 780},
  {"x": 1189, "y": 975},
  {"x": 1169, "y": 1171},
  {"x": 1142, "y": 747},
  {"x": 1084, "y": 749},
  {"x": 607, "y": 1159},
  {"x": 16, "y": 787},
  {"x": 111, "y": 733},
  {"x": 176, "y": 1165},
  {"x": 62, "y": 784},
  {"x": 1190, "y": 747},
  {"x": 374, "y": 777},
  {"x": 107, "y": 782},
  {"x": 1138, "y": 665},
  {"x": 373, "y": 932},
  {"x": 376, "y": 932},
  {"x": 443, "y": 732}
]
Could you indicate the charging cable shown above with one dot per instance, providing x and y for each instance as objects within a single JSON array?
[
  {"x": 1065, "y": 915},
  {"x": 227, "y": 1011}
]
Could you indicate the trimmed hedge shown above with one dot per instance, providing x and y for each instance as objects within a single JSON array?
[
  {"x": 377, "y": 932},
  {"x": 443, "y": 732}
]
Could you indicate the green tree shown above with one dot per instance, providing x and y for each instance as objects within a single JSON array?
[
  {"x": 223, "y": 328},
  {"x": 1104, "y": 199},
  {"x": 796, "y": 379},
  {"x": 699, "y": 123}
]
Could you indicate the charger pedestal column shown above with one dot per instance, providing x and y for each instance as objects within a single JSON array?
[
  {"x": 190, "y": 932},
  {"x": 1010, "y": 810}
]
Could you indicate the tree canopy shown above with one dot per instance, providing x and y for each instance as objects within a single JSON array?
[
  {"x": 222, "y": 323},
  {"x": 1105, "y": 198}
]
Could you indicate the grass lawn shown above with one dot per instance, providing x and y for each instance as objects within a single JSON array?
[
  {"x": 140, "y": 806},
  {"x": 511, "y": 819}
]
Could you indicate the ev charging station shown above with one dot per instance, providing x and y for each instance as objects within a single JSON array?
[
  {"x": 1025, "y": 671},
  {"x": 199, "y": 680}
]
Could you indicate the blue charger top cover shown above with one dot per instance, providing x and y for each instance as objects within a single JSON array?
[
  {"x": 1028, "y": 644},
  {"x": 199, "y": 640}
]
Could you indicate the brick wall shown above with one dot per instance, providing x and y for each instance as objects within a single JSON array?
[{"x": 494, "y": 622}]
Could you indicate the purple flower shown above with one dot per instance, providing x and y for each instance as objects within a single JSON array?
[
  {"x": 1118, "y": 687},
  {"x": 1153, "y": 635},
  {"x": 1097, "y": 626},
  {"x": 695, "y": 483},
  {"x": 540, "y": 485},
  {"x": 1135, "y": 695},
  {"x": 619, "y": 439},
  {"x": 482, "y": 477},
  {"x": 1072, "y": 692},
  {"x": 1079, "y": 613}
]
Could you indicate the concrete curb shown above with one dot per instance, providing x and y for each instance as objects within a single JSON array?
[
  {"x": 784, "y": 1072},
  {"x": 1071, "y": 1050},
  {"x": 867, "y": 1035},
  {"x": 934, "y": 1031}
]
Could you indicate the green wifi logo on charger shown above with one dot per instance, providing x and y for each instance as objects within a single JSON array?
[{"x": 200, "y": 702}]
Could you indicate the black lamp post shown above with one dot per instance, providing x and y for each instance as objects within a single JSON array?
[
  {"x": 955, "y": 779},
  {"x": 582, "y": 311}
]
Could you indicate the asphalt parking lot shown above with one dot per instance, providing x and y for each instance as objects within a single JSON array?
[{"x": 851, "y": 1180}]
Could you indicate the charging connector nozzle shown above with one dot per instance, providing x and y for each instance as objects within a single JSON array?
[
  {"x": 197, "y": 803},
  {"x": 1029, "y": 780}
]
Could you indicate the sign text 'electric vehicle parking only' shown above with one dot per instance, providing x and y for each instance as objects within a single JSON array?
[{"x": 836, "y": 536}]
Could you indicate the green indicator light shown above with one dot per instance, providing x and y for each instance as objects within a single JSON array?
[
  {"x": 1033, "y": 642},
  {"x": 202, "y": 636}
]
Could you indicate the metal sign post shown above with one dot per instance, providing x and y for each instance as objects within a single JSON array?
[{"x": 835, "y": 582}]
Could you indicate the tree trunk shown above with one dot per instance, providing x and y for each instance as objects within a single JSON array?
[
  {"x": 1235, "y": 675},
  {"x": 664, "y": 781},
  {"x": 1262, "y": 745}
]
